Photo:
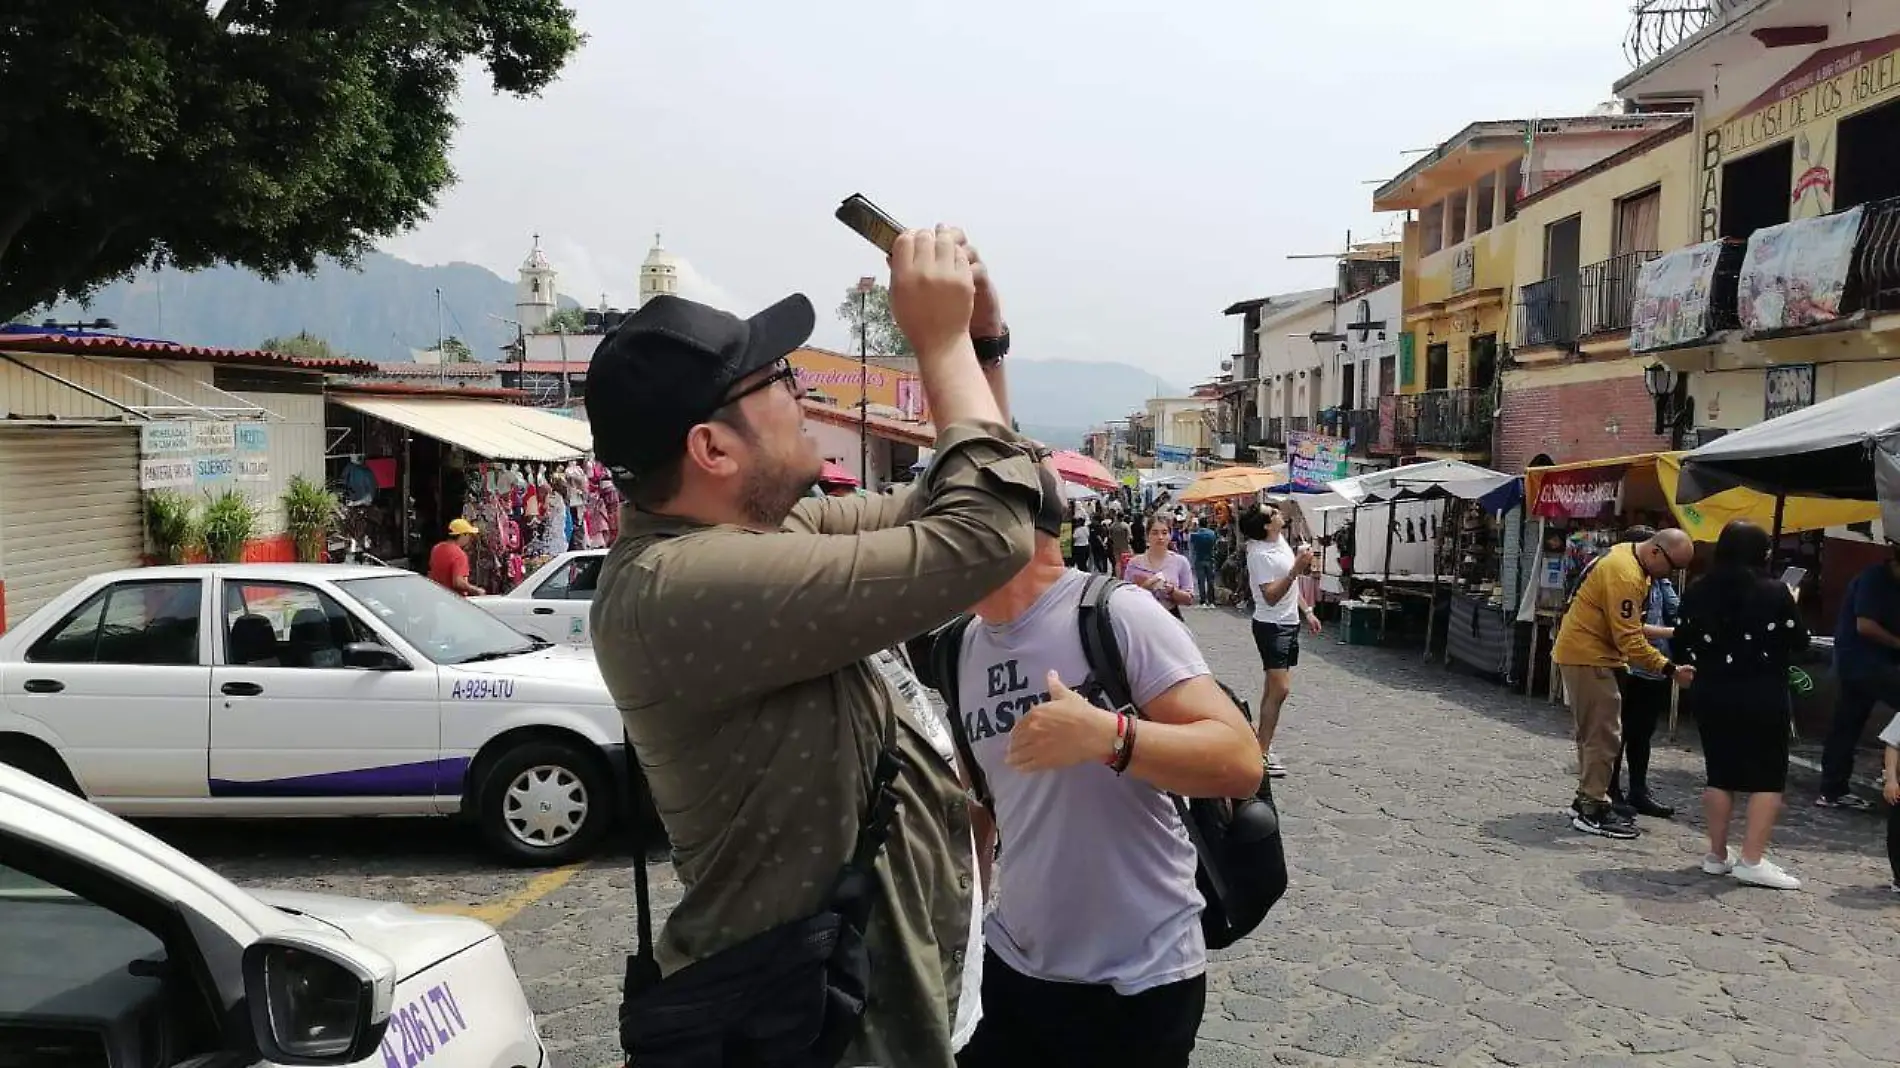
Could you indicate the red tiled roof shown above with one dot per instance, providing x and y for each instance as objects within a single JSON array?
[
  {"x": 544, "y": 367},
  {"x": 410, "y": 369},
  {"x": 417, "y": 389},
  {"x": 141, "y": 349},
  {"x": 920, "y": 434}
]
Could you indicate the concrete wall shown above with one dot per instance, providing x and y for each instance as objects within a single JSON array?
[
  {"x": 1287, "y": 348},
  {"x": 1430, "y": 280}
]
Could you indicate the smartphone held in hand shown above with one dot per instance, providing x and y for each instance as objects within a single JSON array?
[
  {"x": 1792, "y": 577},
  {"x": 871, "y": 222}
]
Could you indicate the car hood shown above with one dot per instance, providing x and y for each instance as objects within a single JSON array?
[
  {"x": 557, "y": 664},
  {"x": 413, "y": 940}
]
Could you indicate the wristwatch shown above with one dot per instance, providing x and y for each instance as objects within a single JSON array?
[{"x": 991, "y": 349}]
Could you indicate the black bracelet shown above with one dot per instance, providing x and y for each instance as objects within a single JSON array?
[
  {"x": 1128, "y": 747},
  {"x": 989, "y": 350}
]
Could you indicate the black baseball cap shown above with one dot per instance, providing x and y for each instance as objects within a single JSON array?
[{"x": 667, "y": 367}]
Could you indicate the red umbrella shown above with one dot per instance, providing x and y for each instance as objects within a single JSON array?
[
  {"x": 833, "y": 475},
  {"x": 1082, "y": 470}
]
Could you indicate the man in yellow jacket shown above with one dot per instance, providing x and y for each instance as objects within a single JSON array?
[{"x": 1602, "y": 631}]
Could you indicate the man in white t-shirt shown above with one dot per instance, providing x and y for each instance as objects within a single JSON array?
[{"x": 1274, "y": 571}]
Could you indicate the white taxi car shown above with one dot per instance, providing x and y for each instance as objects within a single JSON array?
[
  {"x": 552, "y": 604},
  {"x": 117, "y": 950},
  {"x": 311, "y": 689}
]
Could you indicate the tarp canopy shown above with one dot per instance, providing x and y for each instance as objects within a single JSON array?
[
  {"x": 1650, "y": 481},
  {"x": 483, "y": 428},
  {"x": 1846, "y": 448},
  {"x": 1430, "y": 480}
]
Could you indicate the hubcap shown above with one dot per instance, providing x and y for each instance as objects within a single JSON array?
[{"x": 545, "y": 806}]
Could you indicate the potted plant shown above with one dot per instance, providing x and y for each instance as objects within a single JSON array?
[
  {"x": 172, "y": 524},
  {"x": 229, "y": 523},
  {"x": 309, "y": 513}
]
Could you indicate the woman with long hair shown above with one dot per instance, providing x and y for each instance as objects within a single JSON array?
[
  {"x": 1741, "y": 629},
  {"x": 1162, "y": 571}
]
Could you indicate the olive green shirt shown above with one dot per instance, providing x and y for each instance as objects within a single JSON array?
[{"x": 739, "y": 661}]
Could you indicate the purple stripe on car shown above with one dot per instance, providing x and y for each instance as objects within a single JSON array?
[{"x": 426, "y": 778}]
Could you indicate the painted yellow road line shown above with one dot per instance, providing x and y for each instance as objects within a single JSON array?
[{"x": 501, "y": 910}]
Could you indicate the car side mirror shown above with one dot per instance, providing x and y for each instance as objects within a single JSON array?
[
  {"x": 372, "y": 656},
  {"x": 317, "y": 998}
]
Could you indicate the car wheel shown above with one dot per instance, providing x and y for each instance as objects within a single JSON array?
[
  {"x": 546, "y": 803},
  {"x": 41, "y": 763}
]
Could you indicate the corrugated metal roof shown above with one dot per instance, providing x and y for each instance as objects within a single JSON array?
[
  {"x": 484, "y": 428},
  {"x": 144, "y": 349}
]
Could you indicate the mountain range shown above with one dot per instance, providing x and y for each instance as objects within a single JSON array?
[{"x": 386, "y": 308}]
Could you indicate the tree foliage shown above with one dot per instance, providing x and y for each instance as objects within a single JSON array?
[
  {"x": 572, "y": 320},
  {"x": 878, "y": 325},
  {"x": 262, "y": 133},
  {"x": 454, "y": 350},
  {"x": 303, "y": 344}
]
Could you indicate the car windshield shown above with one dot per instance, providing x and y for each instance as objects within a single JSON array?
[{"x": 446, "y": 628}]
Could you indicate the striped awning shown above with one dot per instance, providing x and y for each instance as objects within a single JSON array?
[{"x": 484, "y": 428}]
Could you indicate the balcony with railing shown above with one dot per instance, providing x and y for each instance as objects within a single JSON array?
[
  {"x": 1547, "y": 313},
  {"x": 1362, "y": 430},
  {"x": 1875, "y": 277},
  {"x": 1298, "y": 424},
  {"x": 1253, "y": 431},
  {"x": 1457, "y": 419},
  {"x": 1608, "y": 291},
  {"x": 1276, "y": 431}
]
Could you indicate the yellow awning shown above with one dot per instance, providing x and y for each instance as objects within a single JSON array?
[
  {"x": 1232, "y": 482},
  {"x": 571, "y": 432},
  {"x": 483, "y": 428},
  {"x": 1650, "y": 481}
]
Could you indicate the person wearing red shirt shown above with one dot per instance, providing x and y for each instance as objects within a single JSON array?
[{"x": 448, "y": 561}]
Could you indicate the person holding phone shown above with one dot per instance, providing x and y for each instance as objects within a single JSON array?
[
  {"x": 745, "y": 631},
  {"x": 1274, "y": 571}
]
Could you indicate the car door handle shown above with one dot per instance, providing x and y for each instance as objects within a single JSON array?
[
  {"x": 43, "y": 686},
  {"x": 241, "y": 689},
  {"x": 543, "y": 611}
]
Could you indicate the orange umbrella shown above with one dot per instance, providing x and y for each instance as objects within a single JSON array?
[{"x": 1232, "y": 482}]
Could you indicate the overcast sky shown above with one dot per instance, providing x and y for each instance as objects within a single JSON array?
[{"x": 1128, "y": 172}]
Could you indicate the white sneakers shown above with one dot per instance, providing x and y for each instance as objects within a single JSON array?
[{"x": 1765, "y": 873}]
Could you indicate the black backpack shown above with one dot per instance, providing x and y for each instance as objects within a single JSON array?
[{"x": 1241, "y": 870}]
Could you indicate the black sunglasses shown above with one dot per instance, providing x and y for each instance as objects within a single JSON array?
[{"x": 783, "y": 371}]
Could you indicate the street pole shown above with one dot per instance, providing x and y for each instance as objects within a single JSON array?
[
  {"x": 441, "y": 340},
  {"x": 864, "y": 385}
]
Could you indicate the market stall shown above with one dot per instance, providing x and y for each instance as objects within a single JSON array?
[
  {"x": 410, "y": 459},
  {"x": 1581, "y": 509},
  {"x": 1842, "y": 454},
  {"x": 1459, "y": 502}
]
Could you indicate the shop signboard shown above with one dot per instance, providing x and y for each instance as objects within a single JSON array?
[
  {"x": 165, "y": 455},
  {"x": 1584, "y": 493},
  {"x": 214, "y": 447},
  {"x": 252, "y": 451},
  {"x": 1672, "y": 298},
  {"x": 1313, "y": 460},
  {"x": 1788, "y": 388},
  {"x": 1173, "y": 454},
  {"x": 1795, "y": 274}
]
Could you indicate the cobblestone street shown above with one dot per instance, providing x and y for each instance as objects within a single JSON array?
[{"x": 1442, "y": 910}]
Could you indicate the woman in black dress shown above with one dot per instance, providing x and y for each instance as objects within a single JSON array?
[{"x": 1740, "y": 629}]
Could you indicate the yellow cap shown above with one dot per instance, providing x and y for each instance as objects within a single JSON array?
[{"x": 462, "y": 526}]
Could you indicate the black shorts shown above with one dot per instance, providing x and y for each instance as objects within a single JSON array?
[{"x": 1279, "y": 644}]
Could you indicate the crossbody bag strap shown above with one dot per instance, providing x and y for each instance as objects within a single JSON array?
[
  {"x": 644, "y": 969},
  {"x": 1103, "y": 651}
]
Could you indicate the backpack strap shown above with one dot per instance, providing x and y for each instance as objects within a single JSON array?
[
  {"x": 946, "y": 661},
  {"x": 1109, "y": 671}
]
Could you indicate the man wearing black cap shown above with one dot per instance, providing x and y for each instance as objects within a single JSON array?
[{"x": 743, "y": 627}]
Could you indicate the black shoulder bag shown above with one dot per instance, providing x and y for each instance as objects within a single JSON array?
[
  {"x": 1241, "y": 870},
  {"x": 790, "y": 997}
]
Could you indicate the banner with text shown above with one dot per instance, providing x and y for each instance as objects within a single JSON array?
[
  {"x": 165, "y": 456},
  {"x": 1313, "y": 460}
]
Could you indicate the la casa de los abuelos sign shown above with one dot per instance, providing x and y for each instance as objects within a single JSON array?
[{"x": 1831, "y": 84}]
